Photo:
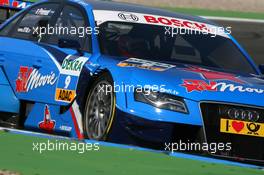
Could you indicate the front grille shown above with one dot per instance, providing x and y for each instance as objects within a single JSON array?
[{"x": 244, "y": 147}]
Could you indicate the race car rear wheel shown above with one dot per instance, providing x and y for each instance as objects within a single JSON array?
[{"x": 100, "y": 109}]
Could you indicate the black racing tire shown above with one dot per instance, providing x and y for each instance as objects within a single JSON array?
[{"x": 100, "y": 108}]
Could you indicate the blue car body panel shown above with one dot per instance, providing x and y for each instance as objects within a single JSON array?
[{"x": 9, "y": 102}]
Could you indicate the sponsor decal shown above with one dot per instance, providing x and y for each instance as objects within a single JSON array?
[
  {"x": 128, "y": 16},
  {"x": 145, "y": 64},
  {"x": 199, "y": 85},
  {"x": 214, "y": 75},
  {"x": 211, "y": 82},
  {"x": 202, "y": 85},
  {"x": 233, "y": 88},
  {"x": 242, "y": 127},
  {"x": 66, "y": 128},
  {"x": 14, "y": 4},
  {"x": 102, "y": 16},
  {"x": 69, "y": 77},
  {"x": 24, "y": 30},
  {"x": 44, "y": 12},
  {"x": 47, "y": 124},
  {"x": 175, "y": 22},
  {"x": 73, "y": 65},
  {"x": 30, "y": 79},
  {"x": 65, "y": 95}
]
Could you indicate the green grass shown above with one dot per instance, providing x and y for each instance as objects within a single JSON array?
[
  {"x": 218, "y": 13},
  {"x": 16, "y": 154}
]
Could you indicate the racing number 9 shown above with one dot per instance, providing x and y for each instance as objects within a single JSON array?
[{"x": 67, "y": 82}]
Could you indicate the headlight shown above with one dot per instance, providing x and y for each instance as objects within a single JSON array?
[{"x": 161, "y": 100}]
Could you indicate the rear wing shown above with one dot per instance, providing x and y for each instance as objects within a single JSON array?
[{"x": 15, "y": 4}]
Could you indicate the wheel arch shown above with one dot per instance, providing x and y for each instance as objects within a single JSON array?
[{"x": 89, "y": 80}]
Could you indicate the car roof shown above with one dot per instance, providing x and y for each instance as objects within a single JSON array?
[{"x": 127, "y": 7}]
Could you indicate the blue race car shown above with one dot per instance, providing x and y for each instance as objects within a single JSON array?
[{"x": 130, "y": 74}]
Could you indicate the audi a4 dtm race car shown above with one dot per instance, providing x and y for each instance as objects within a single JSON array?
[{"x": 132, "y": 79}]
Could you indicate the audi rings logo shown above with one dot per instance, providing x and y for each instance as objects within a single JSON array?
[
  {"x": 128, "y": 17},
  {"x": 240, "y": 114}
]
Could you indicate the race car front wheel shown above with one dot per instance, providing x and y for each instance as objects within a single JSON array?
[{"x": 100, "y": 108}]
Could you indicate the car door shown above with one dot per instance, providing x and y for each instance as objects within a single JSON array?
[
  {"x": 28, "y": 66},
  {"x": 33, "y": 62},
  {"x": 71, "y": 26}
]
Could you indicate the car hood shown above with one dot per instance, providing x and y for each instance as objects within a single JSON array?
[{"x": 202, "y": 84}]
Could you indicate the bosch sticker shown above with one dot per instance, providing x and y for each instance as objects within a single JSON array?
[{"x": 102, "y": 16}]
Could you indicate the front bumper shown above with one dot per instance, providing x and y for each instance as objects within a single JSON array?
[
  {"x": 132, "y": 129},
  {"x": 249, "y": 148}
]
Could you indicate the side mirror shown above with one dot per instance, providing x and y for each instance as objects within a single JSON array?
[{"x": 261, "y": 68}]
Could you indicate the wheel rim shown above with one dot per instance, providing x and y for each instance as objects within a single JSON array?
[{"x": 99, "y": 110}]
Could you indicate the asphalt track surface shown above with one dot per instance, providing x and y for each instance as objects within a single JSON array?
[{"x": 250, "y": 35}]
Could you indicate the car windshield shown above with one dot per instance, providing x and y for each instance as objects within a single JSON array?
[{"x": 150, "y": 42}]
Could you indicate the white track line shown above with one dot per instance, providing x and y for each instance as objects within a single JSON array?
[{"x": 234, "y": 19}]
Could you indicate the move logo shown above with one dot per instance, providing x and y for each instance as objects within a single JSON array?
[
  {"x": 29, "y": 79},
  {"x": 214, "y": 75},
  {"x": 199, "y": 85},
  {"x": 212, "y": 86}
]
